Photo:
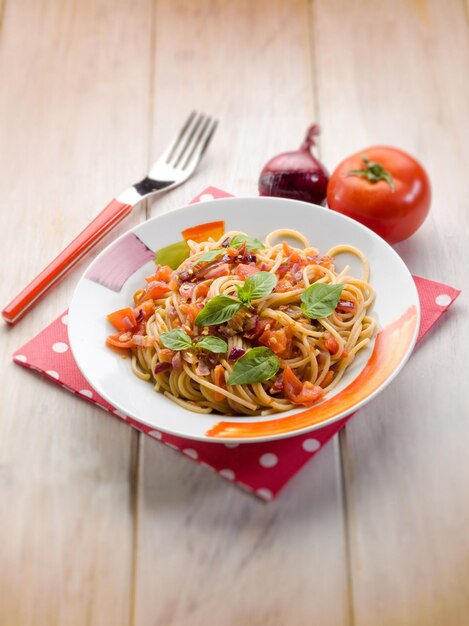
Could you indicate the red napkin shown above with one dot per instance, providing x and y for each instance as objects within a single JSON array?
[{"x": 262, "y": 468}]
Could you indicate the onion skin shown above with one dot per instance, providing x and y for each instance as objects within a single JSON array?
[{"x": 297, "y": 175}]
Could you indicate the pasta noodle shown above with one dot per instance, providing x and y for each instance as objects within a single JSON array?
[{"x": 310, "y": 352}]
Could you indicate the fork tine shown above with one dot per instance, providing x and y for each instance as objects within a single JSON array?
[
  {"x": 195, "y": 142},
  {"x": 168, "y": 153},
  {"x": 201, "y": 145},
  {"x": 186, "y": 140}
]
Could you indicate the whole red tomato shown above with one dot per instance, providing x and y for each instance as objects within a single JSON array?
[{"x": 383, "y": 188}]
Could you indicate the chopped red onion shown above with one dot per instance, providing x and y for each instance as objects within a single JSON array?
[
  {"x": 186, "y": 289},
  {"x": 140, "y": 315},
  {"x": 161, "y": 367},
  {"x": 202, "y": 369},
  {"x": 176, "y": 363},
  {"x": 236, "y": 353},
  {"x": 345, "y": 306}
]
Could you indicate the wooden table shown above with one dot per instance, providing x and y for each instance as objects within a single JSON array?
[{"x": 101, "y": 525}]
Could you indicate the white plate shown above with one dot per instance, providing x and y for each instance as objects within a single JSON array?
[{"x": 396, "y": 309}]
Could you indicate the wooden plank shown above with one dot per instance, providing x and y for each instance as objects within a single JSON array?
[
  {"x": 392, "y": 73},
  {"x": 74, "y": 131},
  {"x": 209, "y": 553}
]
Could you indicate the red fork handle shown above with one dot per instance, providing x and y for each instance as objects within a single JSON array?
[{"x": 99, "y": 227}]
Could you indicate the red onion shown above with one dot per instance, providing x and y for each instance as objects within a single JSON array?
[
  {"x": 162, "y": 367},
  {"x": 176, "y": 363},
  {"x": 297, "y": 174},
  {"x": 202, "y": 369},
  {"x": 236, "y": 353}
]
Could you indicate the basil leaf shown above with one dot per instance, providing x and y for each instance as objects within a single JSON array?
[
  {"x": 218, "y": 310},
  {"x": 208, "y": 256},
  {"x": 173, "y": 255},
  {"x": 255, "y": 366},
  {"x": 251, "y": 243},
  {"x": 213, "y": 344},
  {"x": 320, "y": 300},
  {"x": 257, "y": 286},
  {"x": 176, "y": 339}
]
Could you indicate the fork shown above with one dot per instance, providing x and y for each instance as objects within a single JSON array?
[{"x": 175, "y": 166}]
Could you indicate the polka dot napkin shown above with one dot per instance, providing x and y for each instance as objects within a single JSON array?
[{"x": 261, "y": 468}]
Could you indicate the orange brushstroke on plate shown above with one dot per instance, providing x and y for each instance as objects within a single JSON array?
[
  {"x": 391, "y": 344},
  {"x": 202, "y": 232}
]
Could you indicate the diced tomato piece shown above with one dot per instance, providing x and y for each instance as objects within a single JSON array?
[
  {"x": 327, "y": 379},
  {"x": 144, "y": 310},
  {"x": 120, "y": 340},
  {"x": 279, "y": 341},
  {"x": 243, "y": 270},
  {"x": 256, "y": 327},
  {"x": 293, "y": 255},
  {"x": 202, "y": 289},
  {"x": 163, "y": 273},
  {"x": 191, "y": 310},
  {"x": 222, "y": 269},
  {"x": 123, "y": 320},
  {"x": 155, "y": 290},
  {"x": 219, "y": 380},
  {"x": 300, "y": 393},
  {"x": 283, "y": 285},
  {"x": 323, "y": 261},
  {"x": 331, "y": 343},
  {"x": 165, "y": 355},
  {"x": 202, "y": 232}
]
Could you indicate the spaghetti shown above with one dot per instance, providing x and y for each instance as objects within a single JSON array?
[{"x": 247, "y": 327}]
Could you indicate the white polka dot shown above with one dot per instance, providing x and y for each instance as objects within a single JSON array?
[
  {"x": 265, "y": 494},
  {"x": 231, "y": 445},
  {"x": 443, "y": 299},
  {"x": 191, "y": 452},
  {"x": 227, "y": 473},
  {"x": 205, "y": 197},
  {"x": 268, "y": 459},
  {"x": 120, "y": 414},
  {"x": 86, "y": 392},
  {"x": 21, "y": 358},
  {"x": 52, "y": 374},
  {"x": 60, "y": 346},
  {"x": 65, "y": 319},
  {"x": 311, "y": 445},
  {"x": 155, "y": 434}
]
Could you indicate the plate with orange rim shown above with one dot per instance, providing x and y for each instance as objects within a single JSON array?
[{"x": 113, "y": 277}]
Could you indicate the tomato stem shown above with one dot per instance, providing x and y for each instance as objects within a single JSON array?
[{"x": 373, "y": 171}]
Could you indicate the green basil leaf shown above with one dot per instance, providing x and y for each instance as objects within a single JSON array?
[
  {"x": 176, "y": 339},
  {"x": 257, "y": 286},
  {"x": 320, "y": 300},
  {"x": 255, "y": 366},
  {"x": 251, "y": 243},
  {"x": 208, "y": 256},
  {"x": 218, "y": 310},
  {"x": 213, "y": 344},
  {"x": 173, "y": 255}
]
